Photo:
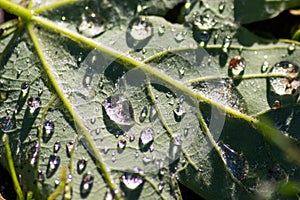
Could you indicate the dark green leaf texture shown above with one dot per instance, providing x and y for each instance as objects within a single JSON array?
[{"x": 130, "y": 118}]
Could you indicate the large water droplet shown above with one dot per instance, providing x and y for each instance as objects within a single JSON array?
[
  {"x": 204, "y": 36},
  {"x": 179, "y": 113},
  {"x": 81, "y": 165},
  {"x": 53, "y": 165},
  {"x": 34, "y": 104},
  {"x": 235, "y": 162},
  {"x": 146, "y": 139},
  {"x": 91, "y": 25},
  {"x": 144, "y": 114},
  {"x": 139, "y": 32},
  {"x": 131, "y": 181},
  {"x": 119, "y": 110},
  {"x": 287, "y": 85},
  {"x": 69, "y": 148},
  {"x": 236, "y": 66},
  {"x": 86, "y": 184}
]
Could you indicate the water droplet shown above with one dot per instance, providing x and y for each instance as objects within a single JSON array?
[
  {"x": 204, "y": 22},
  {"x": 139, "y": 32},
  {"x": 40, "y": 176},
  {"x": 132, "y": 181},
  {"x": 285, "y": 85},
  {"x": 86, "y": 184},
  {"x": 161, "y": 30},
  {"x": 98, "y": 131},
  {"x": 113, "y": 157},
  {"x": 69, "y": 148},
  {"x": 204, "y": 36},
  {"x": 264, "y": 67},
  {"x": 93, "y": 120},
  {"x": 48, "y": 130},
  {"x": 160, "y": 186},
  {"x": 7, "y": 123},
  {"x": 122, "y": 143},
  {"x": 216, "y": 37},
  {"x": 88, "y": 77},
  {"x": 40, "y": 92},
  {"x": 291, "y": 48},
  {"x": 56, "y": 147},
  {"x": 81, "y": 165},
  {"x": 146, "y": 139},
  {"x": 131, "y": 137},
  {"x": 34, "y": 104},
  {"x": 226, "y": 43},
  {"x": 175, "y": 148},
  {"x": 276, "y": 104},
  {"x": 33, "y": 154},
  {"x": 56, "y": 183},
  {"x": 91, "y": 25},
  {"x": 25, "y": 89},
  {"x": 179, "y": 113},
  {"x": 53, "y": 165},
  {"x": 151, "y": 148},
  {"x": 181, "y": 72},
  {"x": 119, "y": 110},
  {"x": 144, "y": 114},
  {"x": 221, "y": 6},
  {"x": 179, "y": 37},
  {"x": 236, "y": 164},
  {"x": 186, "y": 130},
  {"x": 236, "y": 66}
]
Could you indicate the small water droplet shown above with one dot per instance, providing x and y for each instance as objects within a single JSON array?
[
  {"x": 56, "y": 147},
  {"x": 81, "y": 165},
  {"x": 179, "y": 37},
  {"x": 86, "y": 184},
  {"x": 56, "y": 183},
  {"x": 160, "y": 186},
  {"x": 226, "y": 43},
  {"x": 34, "y": 104},
  {"x": 132, "y": 181},
  {"x": 131, "y": 137},
  {"x": 53, "y": 165},
  {"x": 98, "y": 131},
  {"x": 93, "y": 120},
  {"x": 25, "y": 89},
  {"x": 276, "y": 104},
  {"x": 147, "y": 159},
  {"x": 216, "y": 37},
  {"x": 40, "y": 176},
  {"x": 179, "y": 113},
  {"x": 139, "y": 32},
  {"x": 235, "y": 162},
  {"x": 40, "y": 92},
  {"x": 113, "y": 157},
  {"x": 236, "y": 66},
  {"x": 119, "y": 110},
  {"x": 204, "y": 36},
  {"x": 122, "y": 144},
  {"x": 264, "y": 67},
  {"x": 146, "y": 139},
  {"x": 291, "y": 48},
  {"x": 221, "y": 6},
  {"x": 88, "y": 77},
  {"x": 151, "y": 148},
  {"x": 161, "y": 30},
  {"x": 181, "y": 72},
  {"x": 136, "y": 154},
  {"x": 143, "y": 114},
  {"x": 33, "y": 154},
  {"x": 7, "y": 123},
  {"x": 48, "y": 130},
  {"x": 69, "y": 148},
  {"x": 186, "y": 130},
  {"x": 175, "y": 148}
]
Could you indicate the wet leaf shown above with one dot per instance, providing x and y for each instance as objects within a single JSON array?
[{"x": 132, "y": 103}]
